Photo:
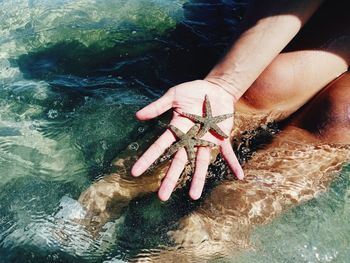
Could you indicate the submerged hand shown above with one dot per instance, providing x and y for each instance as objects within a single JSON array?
[{"x": 188, "y": 98}]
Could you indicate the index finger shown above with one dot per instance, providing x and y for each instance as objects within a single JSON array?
[
  {"x": 153, "y": 153},
  {"x": 157, "y": 107}
]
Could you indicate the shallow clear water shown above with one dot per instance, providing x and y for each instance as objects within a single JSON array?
[
  {"x": 317, "y": 231},
  {"x": 72, "y": 75}
]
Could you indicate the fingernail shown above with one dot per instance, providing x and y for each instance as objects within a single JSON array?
[
  {"x": 240, "y": 176},
  {"x": 137, "y": 114},
  {"x": 163, "y": 197},
  {"x": 135, "y": 171},
  {"x": 194, "y": 196}
]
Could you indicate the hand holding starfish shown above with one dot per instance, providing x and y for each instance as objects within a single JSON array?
[
  {"x": 187, "y": 99},
  {"x": 189, "y": 141}
]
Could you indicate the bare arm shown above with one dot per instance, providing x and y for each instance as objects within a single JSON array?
[
  {"x": 267, "y": 30},
  {"x": 264, "y": 35}
]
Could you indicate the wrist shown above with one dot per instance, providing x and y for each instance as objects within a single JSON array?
[{"x": 225, "y": 82}]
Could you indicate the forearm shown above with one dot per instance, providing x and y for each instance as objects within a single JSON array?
[{"x": 264, "y": 35}]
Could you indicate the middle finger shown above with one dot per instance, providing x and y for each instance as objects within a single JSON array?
[
  {"x": 202, "y": 163},
  {"x": 173, "y": 174}
]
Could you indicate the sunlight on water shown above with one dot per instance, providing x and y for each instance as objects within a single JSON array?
[
  {"x": 67, "y": 100},
  {"x": 317, "y": 231}
]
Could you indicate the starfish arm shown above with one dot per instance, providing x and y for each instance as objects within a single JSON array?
[
  {"x": 222, "y": 117},
  {"x": 204, "y": 143},
  {"x": 191, "y": 154},
  {"x": 194, "y": 130},
  {"x": 207, "y": 107},
  {"x": 204, "y": 129},
  {"x": 179, "y": 134},
  {"x": 173, "y": 149},
  {"x": 193, "y": 117},
  {"x": 217, "y": 129}
]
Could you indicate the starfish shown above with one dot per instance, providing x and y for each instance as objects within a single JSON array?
[
  {"x": 209, "y": 123},
  {"x": 188, "y": 141}
]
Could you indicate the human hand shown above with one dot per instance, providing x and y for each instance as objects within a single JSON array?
[{"x": 188, "y": 98}]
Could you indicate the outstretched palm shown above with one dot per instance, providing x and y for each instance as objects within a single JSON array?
[{"x": 188, "y": 98}]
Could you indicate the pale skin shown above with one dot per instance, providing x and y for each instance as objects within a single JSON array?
[
  {"x": 293, "y": 79},
  {"x": 262, "y": 39}
]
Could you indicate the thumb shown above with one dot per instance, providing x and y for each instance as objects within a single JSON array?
[{"x": 157, "y": 107}]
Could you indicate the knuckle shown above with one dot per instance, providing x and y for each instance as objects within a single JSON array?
[
  {"x": 157, "y": 109},
  {"x": 180, "y": 160},
  {"x": 202, "y": 160},
  {"x": 199, "y": 179},
  {"x": 146, "y": 160},
  {"x": 158, "y": 148},
  {"x": 170, "y": 181},
  {"x": 227, "y": 150},
  {"x": 171, "y": 92}
]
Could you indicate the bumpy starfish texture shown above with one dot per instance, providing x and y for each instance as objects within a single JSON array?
[
  {"x": 209, "y": 123},
  {"x": 188, "y": 141}
]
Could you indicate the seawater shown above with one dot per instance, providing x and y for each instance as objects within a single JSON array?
[{"x": 72, "y": 75}]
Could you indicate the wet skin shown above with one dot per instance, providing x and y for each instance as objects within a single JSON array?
[
  {"x": 296, "y": 166},
  {"x": 270, "y": 186},
  {"x": 189, "y": 141}
]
